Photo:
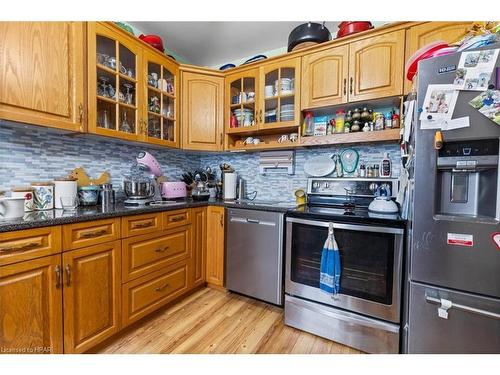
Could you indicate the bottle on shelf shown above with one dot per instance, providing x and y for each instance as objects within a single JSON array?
[
  {"x": 385, "y": 166},
  {"x": 308, "y": 125},
  {"x": 339, "y": 121}
]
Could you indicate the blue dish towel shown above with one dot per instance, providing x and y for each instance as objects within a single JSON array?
[{"x": 329, "y": 280}]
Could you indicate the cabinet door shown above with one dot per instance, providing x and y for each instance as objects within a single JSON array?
[
  {"x": 114, "y": 83},
  {"x": 160, "y": 99},
  {"x": 91, "y": 295},
  {"x": 41, "y": 74},
  {"x": 199, "y": 246},
  {"x": 241, "y": 98},
  {"x": 421, "y": 35},
  {"x": 324, "y": 78},
  {"x": 31, "y": 306},
  {"x": 376, "y": 66},
  {"x": 202, "y": 112},
  {"x": 215, "y": 245},
  {"x": 280, "y": 93}
]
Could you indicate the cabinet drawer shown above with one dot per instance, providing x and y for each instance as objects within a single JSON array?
[
  {"x": 177, "y": 218},
  {"x": 141, "y": 224},
  {"x": 147, "y": 294},
  {"x": 29, "y": 244},
  {"x": 90, "y": 233},
  {"x": 150, "y": 252}
]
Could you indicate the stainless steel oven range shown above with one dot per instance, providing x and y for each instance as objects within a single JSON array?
[{"x": 366, "y": 314}]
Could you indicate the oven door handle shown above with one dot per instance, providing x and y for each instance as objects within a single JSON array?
[{"x": 356, "y": 227}]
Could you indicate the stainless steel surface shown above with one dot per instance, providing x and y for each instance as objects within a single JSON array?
[
  {"x": 387, "y": 312},
  {"x": 107, "y": 195},
  {"x": 367, "y": 334},
  {"x": 464, "y": 279},
  {"x": 461, "y": 330},
  {"x": 138, "y": 189},
  {"x": 254, "y": 254},
  {"x": 359, "y": 186}
]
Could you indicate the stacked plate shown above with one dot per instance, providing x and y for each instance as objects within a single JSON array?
[
  {"x": 286, "y": 85},
  {"x": 287, "y": 112},
  {"x": 245, "y": 117},
  {"x": 270, "y": 116}
]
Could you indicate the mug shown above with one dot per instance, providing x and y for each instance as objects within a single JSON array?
[
  {"x": 283, "y": 138},
  {"x": 248, "y": 141},
  {"x": 11, "y": 208},
  {"x": 294, "y": 137},
  {"x": 243, "y": 97},
  {"x": 250, "y": 95},
  {"x": 269, "y": 91},
  {"x": 256, "y": 141}
]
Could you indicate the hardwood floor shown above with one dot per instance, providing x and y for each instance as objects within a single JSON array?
[{"x": 211, "y": 321}]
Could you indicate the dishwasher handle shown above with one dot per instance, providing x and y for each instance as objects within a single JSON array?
[{"x": 243, "y": 220}]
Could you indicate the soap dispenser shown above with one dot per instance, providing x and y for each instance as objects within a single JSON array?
[{"x": 385, "y": 168}]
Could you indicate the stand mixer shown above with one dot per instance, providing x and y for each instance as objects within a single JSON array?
[{"x": 142, "y": 186}]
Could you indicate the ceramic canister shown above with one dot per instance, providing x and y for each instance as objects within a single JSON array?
[
  {"x": 11, "y": 208},
  {"x": 25, "y": 192},
  {"x": 64, "y": 187},
  {"x": 43, "y": 195}
]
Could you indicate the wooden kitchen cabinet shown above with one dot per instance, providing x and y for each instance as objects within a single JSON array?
[
  {"x": 376, "y": 66},
  {"x": 324, "y": 77},
  {"x": 42, "y": 74},
  {"x": 31, "y": 306},
  {"x": 115, "y": 83},
  {"x": 421, "y": 35},
  {"x": 198, "y": 261},
  {"x": 215, "y": 245},
  {"x": 161, "y": 102},
  {"x": 92, "y": 295},
  {"x": 202, "y": 111}
]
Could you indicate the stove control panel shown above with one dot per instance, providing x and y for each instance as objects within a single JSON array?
[{"x": 360, "y": 187}]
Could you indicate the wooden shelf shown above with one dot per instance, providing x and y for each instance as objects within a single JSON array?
[
  {"x": 168, "y": 118},
  {"x": 127, "y": 105},
  {"x": 106, "y": 69},
  {"x": 154, "y": 114},
  {"x": 168, "y": 94},
  {"x": 237, "y": 105},
  {"x": 154, "y": 89},
  {"x": 243, "y": 130},
  {"x": 264, "y": 145},
  {"x": 387, "y": 135},
  {"x": 127, "y": 78},
  {"x": 106, "y": 99}
]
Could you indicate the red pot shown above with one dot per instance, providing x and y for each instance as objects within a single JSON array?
[
  {"x": 153, "y": 40},
  {"x": 352, "y": 27}
]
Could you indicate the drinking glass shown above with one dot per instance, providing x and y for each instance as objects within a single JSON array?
[{"x": 69, "y": 203}]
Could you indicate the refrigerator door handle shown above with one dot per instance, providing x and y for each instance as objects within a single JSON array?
[{"x": 445, "y": 305}]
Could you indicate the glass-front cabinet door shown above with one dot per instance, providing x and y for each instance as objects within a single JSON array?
[
  {"x": 280, "y": 93},
  {"x": 114, "y": 100},
  {"x": 242, "y": 96},
  {"x": 160, "y": 99}
]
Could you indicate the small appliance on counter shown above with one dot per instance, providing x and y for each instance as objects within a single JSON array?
[
  {"x": 382, "y": 203},
  {"x": 200, "y": 191},
  {"x": 173, "y": 189}
]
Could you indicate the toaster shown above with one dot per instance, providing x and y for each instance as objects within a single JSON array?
[{"x": 173, "y": 189}]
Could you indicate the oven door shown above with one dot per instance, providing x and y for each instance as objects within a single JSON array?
[{"x": 371, "y": 265}]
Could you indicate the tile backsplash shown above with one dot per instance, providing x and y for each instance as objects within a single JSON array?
[{"x": 29, "y": 154}]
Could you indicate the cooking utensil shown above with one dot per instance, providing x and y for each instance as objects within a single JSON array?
[
  {"x": 138, "y": 189},
  {"x": 307, "y": 34},
  {"x": 153, "y": 40},
  {"x": 254, "y": 59},
  {"x": 352, "y": 27},
  {"x": 423, "y": 53},
  {"x": 319, "y": 166}
]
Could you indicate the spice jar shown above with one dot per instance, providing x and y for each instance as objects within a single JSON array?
[
  {"x": 376, "y": 171},
  {"x": 395, "y": 120},
  {"x": 348, "y": 117},
  {"x": 362, "y": 170},
  {"x": 379, "y": 122},
  {"x": 365, "y": 115},
  {"x": 356, "y": 114},
  {"x": 356, "y": 126},
  {"x": 388, "y": 120},
  {"x": 366, "y": 128},
  {"x": 339, "y": 121}
]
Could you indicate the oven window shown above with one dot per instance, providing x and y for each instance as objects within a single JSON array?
[{"x": 367, "y": 260}]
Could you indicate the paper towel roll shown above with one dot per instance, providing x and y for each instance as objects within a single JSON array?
[{"x": 230, "y": 181}]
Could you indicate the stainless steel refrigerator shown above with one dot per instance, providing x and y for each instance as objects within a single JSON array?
[{"x": 453, "y": 289}]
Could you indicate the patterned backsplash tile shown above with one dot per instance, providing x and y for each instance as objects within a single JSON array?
[{"x": 29, "y": 154}]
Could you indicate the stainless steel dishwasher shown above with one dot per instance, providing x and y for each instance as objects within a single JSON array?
[{"x": 254, "y": 254}]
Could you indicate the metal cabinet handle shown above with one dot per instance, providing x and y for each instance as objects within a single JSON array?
[
  {"x": 177, "y": 218},
  {"x": 142, "y": 225},
  {"x": 24, "y": 247},
  {"x": 345, "y": 86},
  {"x": 350, "y": 85},
  {"x": 160, "y": 288},
  {"x": 222, "y": 221},
  {"x": 58, "y": 276},
  {"x": 162, "y": 249},
  {"x": 68, "y": 275},
  {"x": 93, "y": 234},
  {"x": 221, "y": 139},
  {"x": 80, "y": 111},
  {"x": 445, "y": 305}
]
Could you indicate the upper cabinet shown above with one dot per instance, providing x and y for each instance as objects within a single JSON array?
[
  {"x": 161, "y": 102},
  {"x": 421, "y": 35},
  {"x": 243, "y": 98},
  {"x": 115, "y": 65},
  {"x": 324, "y": 77},
  {"x": 202, "y": 111},
  {"x": 376, "y": 66},
  {"x": 131, "y": 88},
  {"x": 279, "y": 103},
  {"x": 41, "y": 73}
]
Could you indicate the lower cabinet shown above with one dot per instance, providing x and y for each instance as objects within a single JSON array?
[
  {"x": 148, "y": 293},
  {"x": 92, "y": 287},
  {"x": 215, "y": 246},
  {"x": 31, "y": 306}
]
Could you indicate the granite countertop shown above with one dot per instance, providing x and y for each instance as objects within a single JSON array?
[{"x": 47, "y": 218}]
